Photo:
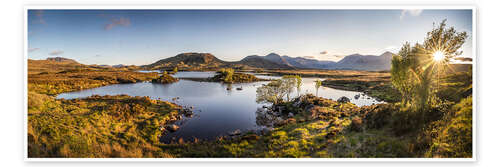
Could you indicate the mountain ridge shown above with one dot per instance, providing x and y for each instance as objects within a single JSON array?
[{"x": 275, "y": 61}]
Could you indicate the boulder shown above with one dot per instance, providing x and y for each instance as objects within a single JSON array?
[
  {"x": 172, "y": 128},
  {"x": 251, "y": 137},
  {"x": 356, "y": 96},
  {"x": 235, "y": 133},
  {"x": 343, "y": 99}
]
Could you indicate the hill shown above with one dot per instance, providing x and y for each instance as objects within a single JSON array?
[
  {"x": 52, "y": 64},
  {"x": 365, "y": 62},
  {"x": 262, "y": 62},
  {"x": 351, "y": 62},
  {"x": 61, "y": 59},
  {"x": 207, "y": 61},
  {"x": 189, "y": 61},
  {"x": 301, "y": 62}
]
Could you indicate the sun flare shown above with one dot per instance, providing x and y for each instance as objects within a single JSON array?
[{"x": 438, "y": 56}]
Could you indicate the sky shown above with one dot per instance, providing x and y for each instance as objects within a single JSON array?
[{"x": 138, "y": 37}]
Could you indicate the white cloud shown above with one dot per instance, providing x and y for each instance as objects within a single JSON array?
[
  {"x": 411, "y": 12},
  {"x": 33, "y": 49},
  {"x": 117, "y": 22},
  {"x": 56, "y": 52}
]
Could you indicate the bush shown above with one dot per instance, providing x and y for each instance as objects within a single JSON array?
[
  {"x": 164, "y": 79},
  {"x": 378, "y": 116},
  {"x": 454, "y": 132},
  {"x": 356, "y": 124}
]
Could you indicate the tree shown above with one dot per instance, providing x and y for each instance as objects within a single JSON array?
[
  {"x": 175, "y": 70},
  {"x": 227, "y": 74},
  {"x": 413, "y": 69},
  {"x": 317, "y": 84},
  {"x": 299, "y": 84},
  {"x": 401, "y": 75},
  {"x": 273, "y": 92},
  {"x": 291, "y": 82}
]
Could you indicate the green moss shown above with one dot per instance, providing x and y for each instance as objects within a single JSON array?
[{"x": 94, "y": 125}]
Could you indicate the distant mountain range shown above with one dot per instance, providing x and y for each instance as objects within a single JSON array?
[
  {"x": 275, "y": 61},
  {"x": 61, "y": 59}
]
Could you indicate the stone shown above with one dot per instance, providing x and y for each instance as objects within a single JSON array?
[
  {"x": 356, "y": 96},
  {"x": 251, "y": 137},
  {"x": 343, "y": 99},
  {"x": 235, "y": 133},
  {"x": 172, "y": 128}
]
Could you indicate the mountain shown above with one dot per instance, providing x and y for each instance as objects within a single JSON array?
[
  {"x": 351, "y": 62},
  {"x": 277, "y": 59},
  {"x": 301, "y": 62},
  {"x": 118, "y": 66},
  {"x": 188, "y": 60},
  {"x": 365, "y": 62},
  {"x": 61, "y": 59},
  {"x": 262, "y": 62},
  {"x": 203, "y": 61}
]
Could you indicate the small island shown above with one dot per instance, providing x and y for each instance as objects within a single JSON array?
[
  {"x": 227, "y": 75},
  {"x": 165, "y": 79}
]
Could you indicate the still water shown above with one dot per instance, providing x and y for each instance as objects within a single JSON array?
[{"x": 217, "y": 111}]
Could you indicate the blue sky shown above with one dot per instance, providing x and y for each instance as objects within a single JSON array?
[{"x": 145, "y": 36}]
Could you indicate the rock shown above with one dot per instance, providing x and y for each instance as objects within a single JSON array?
[
  {"x": 261, "y": 110},
  {"x": 172, "y": 128},
  {"x": 291, "y": 121},
  {"x": 240, "y": 88},
  {"x": 235, "y": 133},
  {"x": 228, "y": 88},
  {"x": 267, "y": 130},
  {"x": 308, "y": 107},
  {"x": 251, "y": 137},
  {"x": 290, "y": 114},
  {"x": 281, "y": 109},
  {"x": 188, "y": 114},
  {"x": 343, "y": 99},
  {"x": 356, "y": 96}
]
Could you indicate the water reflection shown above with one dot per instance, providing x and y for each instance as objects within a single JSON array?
[{"x": 218, "y": 108}]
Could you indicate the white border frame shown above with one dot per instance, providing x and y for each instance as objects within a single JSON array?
[{"x": 253, "y": 7}]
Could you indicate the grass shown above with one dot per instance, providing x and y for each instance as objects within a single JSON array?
[
  {"x": 97, "y": 126},
  {"x": 124, "y": 126}
]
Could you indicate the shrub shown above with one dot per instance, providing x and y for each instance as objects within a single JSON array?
[
  {"x": 454, "y": 133},
  {"x": 165, "y": 79},
  {"x": 356, "y": 124}
]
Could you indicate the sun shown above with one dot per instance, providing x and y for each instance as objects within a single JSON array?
[{"x": 438, "y": 56}]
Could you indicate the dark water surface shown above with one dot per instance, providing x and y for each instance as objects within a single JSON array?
[{"x": 217, "y": 111}]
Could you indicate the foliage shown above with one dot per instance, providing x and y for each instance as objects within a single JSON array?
[
  {"x": 413, "y": 70},
  {"x": 72, "y": 80},
  {"x": 291, "y": 82},
  {"x": 227, "y": 74},
  {"x": 273, "y": 92},
  {"x": 98, "y": 126},
  {"x": 175, "y": 70},
  {"x": 317, "y": 84},
  {"x": 454, "y": 132},
  {"x": 165, "y": 79},
  {"x": 456, "y": 86}
]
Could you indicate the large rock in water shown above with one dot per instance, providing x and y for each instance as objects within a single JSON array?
[
  {"x": 172, "y": 128},
  {"x": 343, "y": 99}
]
